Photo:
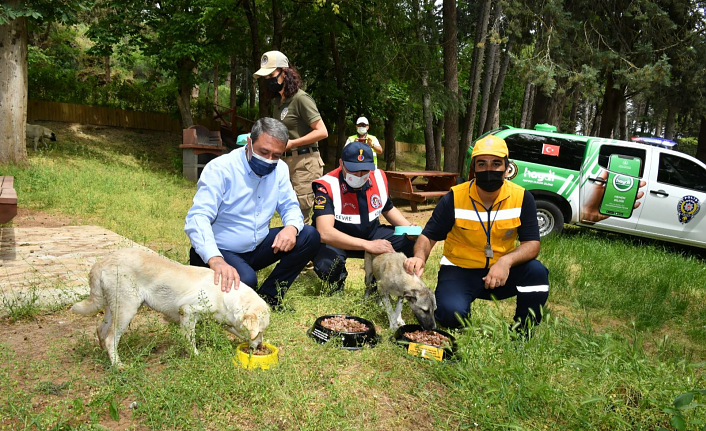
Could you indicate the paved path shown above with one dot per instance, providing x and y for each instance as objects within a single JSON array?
[{"x": 49, "y": 266}]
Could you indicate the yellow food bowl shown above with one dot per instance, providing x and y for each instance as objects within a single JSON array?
[{"x": 250, "y": 361}]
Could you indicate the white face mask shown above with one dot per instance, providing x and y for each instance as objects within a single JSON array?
[
  {"x": 355, "y": 181},
  {"x": 362, "y": 130}
]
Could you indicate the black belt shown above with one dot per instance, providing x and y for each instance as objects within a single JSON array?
[{"x": 302, "y": 151}]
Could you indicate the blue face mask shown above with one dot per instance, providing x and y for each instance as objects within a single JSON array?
[{"x": 259, "y": 164}]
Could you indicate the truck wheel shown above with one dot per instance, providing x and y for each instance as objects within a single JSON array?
[{"x": 549, "y": 217}]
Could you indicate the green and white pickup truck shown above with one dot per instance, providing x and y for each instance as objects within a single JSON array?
[{"x": 567, "y": 176}]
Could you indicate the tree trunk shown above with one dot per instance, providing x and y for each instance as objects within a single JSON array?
[
  {"x": 645, "y": 113},
  {"x": 438, "y": 132},
  {"x": 611, "y": 103},
  {"x": 250, "y": 14},
  {"x": 340, "y": 99},
  {"x": 13, "y": 90},
  {"x": 597, "y": 114},
  {"x": 428, "y": 124},
  {"x": 451, "y": 83},
  {"x": 490, "y": 68},
  {"x": 277, "y": 25},
  {"x": 427, "y": 114},
  {"x": 183, "y": 100},
  {"x": 701, "y": 146},
  {"x": 233, "y": 82},
  {"x": 671, "y": 118},
  {"x": 106, "y": 63},
  {"x": 469, "y": 118},
  {"x": 215, "y": 85},
  {"x": 499, "y": 82},
  {"x": 573, "y": 117},
  {"x": 623, "y": 115},
  {"x": 540, "y": 108},
  {"x": 390, "y": 143}
]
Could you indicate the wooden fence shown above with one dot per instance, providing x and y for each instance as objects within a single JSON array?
[{"x": 83, "y": 114}]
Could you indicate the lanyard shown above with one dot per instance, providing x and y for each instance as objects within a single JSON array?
[{"x": 488, "y": 248}]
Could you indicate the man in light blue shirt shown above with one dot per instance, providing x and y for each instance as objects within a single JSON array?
[{"x": 228, "y": 225}]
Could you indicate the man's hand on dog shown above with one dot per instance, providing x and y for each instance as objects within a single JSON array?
[
  {"x": 414, "y": 266},
  {"x": 224, "y": 274},
  {"x": 285, "y": 240},
  {"x": 379, "y": 246}
]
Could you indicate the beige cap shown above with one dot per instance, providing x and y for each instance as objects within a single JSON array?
[{"x": 270, "y": 61}]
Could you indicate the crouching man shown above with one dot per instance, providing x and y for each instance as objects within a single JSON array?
[
  {"x": 348, "y": 202},
  {"x": 480, "y": 221},
  {"x": 228, "y": 225}
]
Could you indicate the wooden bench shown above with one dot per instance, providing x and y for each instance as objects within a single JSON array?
[
  {"x": 8, "y": 199},
  {"x": 404, "y": 185}
]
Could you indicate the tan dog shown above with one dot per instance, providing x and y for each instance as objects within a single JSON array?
[
  {"x": 38, "y": 133},
  {"x": 128, "y": 278},
  {"x": 392, "y": 280}
]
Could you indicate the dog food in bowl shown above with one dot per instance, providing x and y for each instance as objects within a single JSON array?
[
  {"x": 260, "y": 351},
  {"x": 429, "y": 344},
  {"x": 351, "y": 332},
  {"x": 265, "y": 356},
  {"x": 430, "y": 338},
  {"x": 343, "y": 324}
]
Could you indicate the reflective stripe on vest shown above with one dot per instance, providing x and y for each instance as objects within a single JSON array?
[
  {"x": 335, "y": 187},
  {"x": 464, "y": 245}
]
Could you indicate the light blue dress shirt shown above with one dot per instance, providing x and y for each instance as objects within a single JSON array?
[{"x": 233, "y": 206}]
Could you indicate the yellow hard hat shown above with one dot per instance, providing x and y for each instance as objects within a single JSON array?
[{"x": 490, "y": 145}]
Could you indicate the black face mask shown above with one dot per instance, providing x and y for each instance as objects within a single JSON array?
[
  {"x": 490, "y": 181},
  {"x": 272, "y": 84}
]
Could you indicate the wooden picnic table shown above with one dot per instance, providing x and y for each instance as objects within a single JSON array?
[{"x": 417, "y": 186}]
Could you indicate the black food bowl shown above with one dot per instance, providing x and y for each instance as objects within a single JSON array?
[
  {"x": 427, "y": 351},
  {"x": 348, "y": 340}
]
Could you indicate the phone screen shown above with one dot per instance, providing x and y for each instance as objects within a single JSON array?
[{"x": 621, "y": 186}]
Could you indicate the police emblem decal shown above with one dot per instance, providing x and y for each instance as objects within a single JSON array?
[
  {"x": 264, "y": 60},
  {"x": 360, "y": 156},
  {"x": 375, "y": 201},
  {"x": 284, "y": 113},
  {"x": 687, "y": 208}
]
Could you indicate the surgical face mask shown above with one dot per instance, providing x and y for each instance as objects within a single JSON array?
[
  {"x": 490, "y": 181},
  {"x": 362, "y": 130},
  {"x": 272, "y": 84},
  {"x": 259, "y": 164},
  {"x": 355, "y": 181}
]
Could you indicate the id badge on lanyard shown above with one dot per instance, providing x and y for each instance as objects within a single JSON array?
[{"x": 488, "y": 249}]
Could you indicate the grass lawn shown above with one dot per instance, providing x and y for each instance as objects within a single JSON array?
[{"x": 622, "y": 345}]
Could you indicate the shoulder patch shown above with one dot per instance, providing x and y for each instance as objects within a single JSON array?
[{"x": 320, "y": 200}]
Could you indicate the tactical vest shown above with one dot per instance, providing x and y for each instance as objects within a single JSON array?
[
  {"x": 376, "y": 196},
  {"x": 465, "y": 244},
  {"x": 354, "y": 138}
]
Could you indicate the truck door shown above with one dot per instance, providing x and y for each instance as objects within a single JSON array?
[
  {"x": 676, "y": 191},
  {"x": 594, "y": 174}
]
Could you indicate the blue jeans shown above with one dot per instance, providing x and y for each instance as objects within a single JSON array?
[
  {"x": 290, "y": 264},
  {"x": 458, "y": 287}
]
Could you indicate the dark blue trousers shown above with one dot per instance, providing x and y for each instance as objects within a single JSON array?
[
  {"x": 290, "y": 264},
  {"x": 459, "y": 287},
  {"x": 330, "y": 262}
]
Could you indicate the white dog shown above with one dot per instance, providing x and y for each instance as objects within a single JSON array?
[
  {"x": 128, "y": 278},
  {"x": 38, "y": 133},
  {"x": 392, "y": 280}
]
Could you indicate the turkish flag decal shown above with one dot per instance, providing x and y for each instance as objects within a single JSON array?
[{"x": 550, "y": 150}]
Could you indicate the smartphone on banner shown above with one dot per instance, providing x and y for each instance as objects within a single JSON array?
[{"x": 621, "y": 186}]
